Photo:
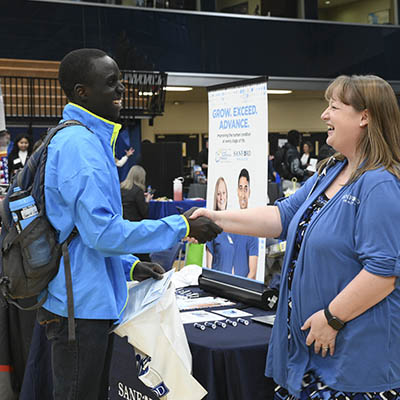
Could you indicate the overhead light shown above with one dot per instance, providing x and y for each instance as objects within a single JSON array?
[
  {"x": 327, "y": 2},
  {"x": 178, "y": 88},
  {"x": 277, "y": 91}
]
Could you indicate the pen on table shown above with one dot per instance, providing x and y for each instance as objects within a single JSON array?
[
  {"x": 199, "y": 326},
  {"x": 210, "y": 325}
]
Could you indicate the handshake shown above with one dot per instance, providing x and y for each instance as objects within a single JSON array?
[{"x": 202, "y": 229}]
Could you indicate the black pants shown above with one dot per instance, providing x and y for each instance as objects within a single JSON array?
[{"x": 80, "y": 369}]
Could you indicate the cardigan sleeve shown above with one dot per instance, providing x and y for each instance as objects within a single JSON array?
[{"x": 377, "y": 232}]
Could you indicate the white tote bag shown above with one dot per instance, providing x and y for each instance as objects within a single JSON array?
[{"x": 162, "y": 351}]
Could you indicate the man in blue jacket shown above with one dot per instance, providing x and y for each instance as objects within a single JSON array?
[{"x": 82, "y": 190}]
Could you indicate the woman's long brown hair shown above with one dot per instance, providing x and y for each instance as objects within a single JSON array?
[{"x": 380, "y": 146}]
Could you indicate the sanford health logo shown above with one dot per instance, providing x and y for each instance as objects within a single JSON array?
[
  {"x": 350, "y": 199},
  {"x": 129, "y": 393}
]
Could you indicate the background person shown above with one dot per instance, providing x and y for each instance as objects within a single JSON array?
[
  {"x": 305, "y": 157},
  {"x": 202, "y": 159},
  {"x": 122, "y": 161},
  {"x": 220, "y": 251},
  {"x": 20, "y": 153},
  {"x": 82, "y": 190},
  {"x": 10, "y": 144},
  {"x": 325, "y": 151},
  {"x": 135, "y": 202},
  {"x": 336, "y": 331},
  {"x": 271, "y": 170},
  {"x": 292, "y": 156}
]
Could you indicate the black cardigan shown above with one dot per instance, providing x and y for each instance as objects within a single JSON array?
[{"x": 134, "y": 205}]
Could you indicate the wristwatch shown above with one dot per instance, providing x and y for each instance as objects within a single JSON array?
[{"x": 334, "y": 322}]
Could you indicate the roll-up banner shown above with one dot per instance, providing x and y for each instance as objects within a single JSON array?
[
  {"x": 237, "y": 170},
  {"x": 2, "y": 115}
]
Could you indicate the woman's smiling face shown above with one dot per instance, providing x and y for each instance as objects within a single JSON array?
[
  {"x": 23, "y": 144},
  {"x": 345, "y": 126},
  {"x": 221, "y": 196}
]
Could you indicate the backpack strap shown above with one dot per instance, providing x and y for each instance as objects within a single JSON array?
[
  {"x": 68, "y": 283},
  {"x": 33, "y": 166},
  {"x": 34, "y": 307},
  {"x": 4, "y": 217}
]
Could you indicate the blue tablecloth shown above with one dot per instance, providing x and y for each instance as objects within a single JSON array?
[
  {"x": 161, "y": 209},
  {"x": 228, "y": 362}
]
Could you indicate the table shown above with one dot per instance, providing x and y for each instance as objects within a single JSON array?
[
  {"x": 228, "y": 362},
  {"x": 161, "y": 209}
]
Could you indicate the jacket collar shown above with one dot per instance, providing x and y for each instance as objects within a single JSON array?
[{"x": 103, "y": 128}]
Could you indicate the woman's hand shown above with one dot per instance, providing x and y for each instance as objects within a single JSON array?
[
  {"x": 129, "y": 151},
  {"x": 202, "y": 212},
  {"x": 321, "y": 334},
  {"x": 148, "y": 196}
]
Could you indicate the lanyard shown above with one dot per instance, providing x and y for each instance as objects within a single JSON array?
[{"x": 329, "y": 164}]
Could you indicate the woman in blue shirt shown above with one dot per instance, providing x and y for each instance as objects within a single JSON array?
[
  {"x": 220, "y": 251},
  {"x": 337, "y": 330}
]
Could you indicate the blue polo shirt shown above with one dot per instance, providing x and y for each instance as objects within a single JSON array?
[
  {"x": 222, "y": 250},
  {"x": 245, "y": 246}
]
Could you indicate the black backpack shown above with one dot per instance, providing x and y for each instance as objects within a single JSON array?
[
  {"x": 20, "y": 275},
  {"x": 280, "y": 163}
]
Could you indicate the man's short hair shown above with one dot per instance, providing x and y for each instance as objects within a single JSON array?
[
  {"x": 293, "y": 137},
  {"x": 77, "y": 67},
  {"x": 244, "y": 173}
]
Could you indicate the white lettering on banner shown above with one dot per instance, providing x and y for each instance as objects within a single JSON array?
[
  {"x": 129, "y": 393},
  {"x": 144, "y": 79}
]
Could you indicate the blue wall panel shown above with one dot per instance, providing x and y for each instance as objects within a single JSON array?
[{"x": 202, "y": 43}]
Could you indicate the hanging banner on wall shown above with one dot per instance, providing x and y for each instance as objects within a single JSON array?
[{"x": 237, "y": 170}]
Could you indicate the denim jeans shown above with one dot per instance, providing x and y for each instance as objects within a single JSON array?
[{"x": 80, "y": 369}]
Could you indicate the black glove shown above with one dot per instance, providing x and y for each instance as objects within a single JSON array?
[
  {"x": 202, "y": 228},
  {"x": 144, "y": 270}
]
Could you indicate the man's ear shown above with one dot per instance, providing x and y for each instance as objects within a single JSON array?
[{"x": 80, "y": 92}]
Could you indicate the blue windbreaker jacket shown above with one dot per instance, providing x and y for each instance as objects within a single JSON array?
[
  {"x": 358, "y": 228},
  {"x": 82, "y": 189}
]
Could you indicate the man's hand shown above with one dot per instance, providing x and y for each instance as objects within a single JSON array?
[
  {"x": 144, "y": 270},
  {"x": 202, "y": 228}
]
